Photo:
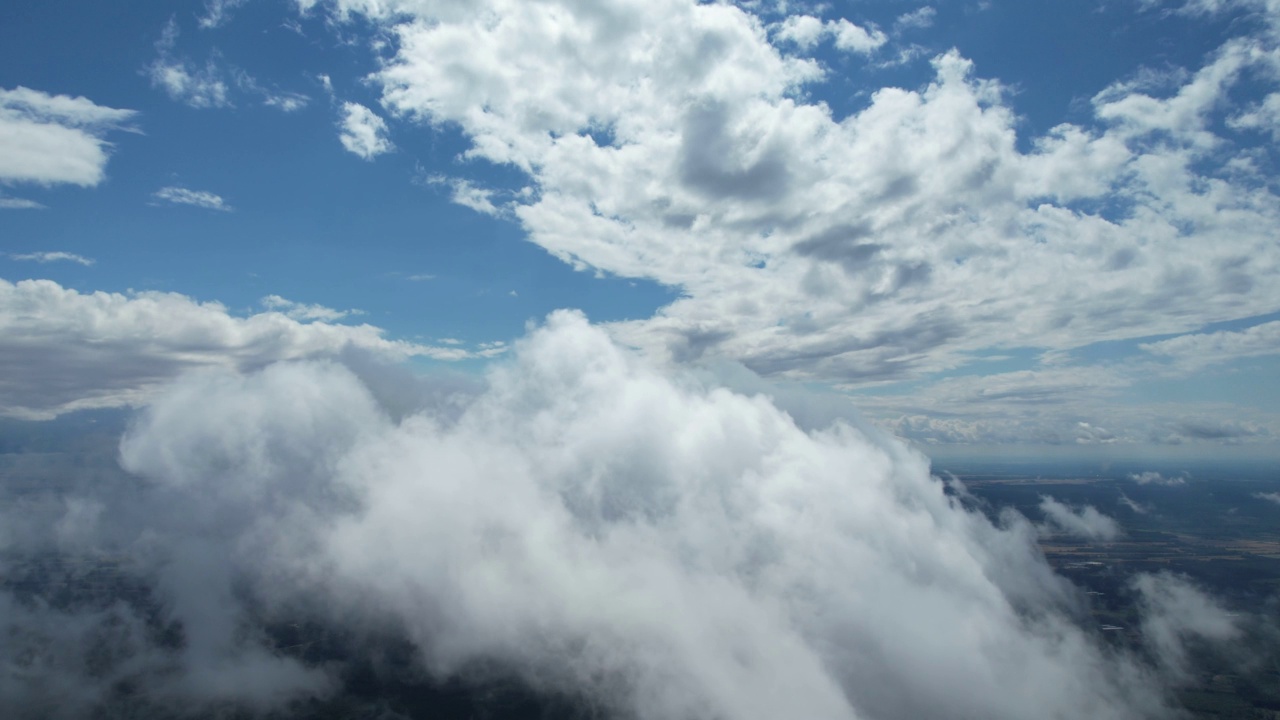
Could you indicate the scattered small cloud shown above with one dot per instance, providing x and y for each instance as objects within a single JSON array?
[
  {"x": 218, "y": 12},
  {"x": 1134, "y": 505},
  {"x": 1270, "y": 497},
  {"x": 920, "y": 18},
  {"x": 1150, "y": 477},
  {"x": 198, "y": 198},
  {"x": 363, "y": 133},
  {"x": 806, "y": 31},
  {"x": 57, "y": 256},
  {"x": 183, "y": 81},
  {"x": 304, "y": 312},
  {"x": 1086, "y": 523}
]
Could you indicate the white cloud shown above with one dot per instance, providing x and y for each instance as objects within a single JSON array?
[
  {"x": 1151, "y": 477},
  {"x": 286, "y": 102},
  {"x": 61, "y": 350},
  {"x": 1191, "y": 353},
  {"x": 883, "y": 245},
  {"x": 803, "y": 30},
  {"x": 198, "y": 198},
  {"x": 806, "y": 31},
  {"x": 1085, "y": 523},
  {"x": 12, "y": 203},
  {"x": 300, "y": 311},
  {"x": 218, "y": 12},
  {"x": 54, "y": 139},
  {"x": 919, "y": 18},
  {"x": 57, "y": 256},
  {"x": 1176, "y": 612},
  {"x": 183, "y": 81},
  {"x": 363, "y": 132},
  {"x": 719, "y": 562},
  {"x": 1270, "y": 497},
  {"x": 854, "y": 38}
]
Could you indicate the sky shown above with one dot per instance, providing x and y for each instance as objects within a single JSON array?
[
  {"x": 610, "y": 346},
  {"x": 989, "y": 225}
]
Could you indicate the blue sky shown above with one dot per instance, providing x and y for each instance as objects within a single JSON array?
[{"x": 984, "y": 223}]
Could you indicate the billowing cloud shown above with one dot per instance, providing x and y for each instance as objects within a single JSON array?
[
  {"x": 63, "y": 350},
  {"x": 711, "y": 563},
  {"x": 198, "y": 198},
  {"x": 672, "y": 141},
  {"x": 53, "y": 139},
  {"x": 363, "y": 132},
  {"x": 1085, "y": 523}
]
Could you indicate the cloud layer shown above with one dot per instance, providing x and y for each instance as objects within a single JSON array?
[{"x": 63, "y": 350}]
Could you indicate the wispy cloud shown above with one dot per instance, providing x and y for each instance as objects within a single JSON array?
[
  {"x": 183, "y": 81},
  {"x": 304, "y": 312},
  {"x": 54, "y": 139},
  {"x": 198, "y": 198},
  {"x": 56, "y": 256},
  {"x": 12, "y": 203}
]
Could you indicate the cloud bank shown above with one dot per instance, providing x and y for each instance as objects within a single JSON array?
[
  {"x": 644, "y": 542},
  {"x": 61, "y": 350}
]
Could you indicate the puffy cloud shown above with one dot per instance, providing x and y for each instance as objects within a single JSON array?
[
  {"x": 198, "y": 198},
  {"x": 53, "y": 139},
  {"x": 181, "y": 80},
  {"x": 63, "y": 350},
  {"x": 652, "y": 545},
  {"x": 672, "y": 141},
  {"x": 1086, "y": 523},
  {"x": 363, "y": 132},
  {"x": 56, "y": 256},
  {"x": 1271, "y": 497}
]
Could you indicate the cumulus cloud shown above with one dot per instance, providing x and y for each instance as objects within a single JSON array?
[
  {"x": 63, "y": 350},
  {"x": 363, "y": 132},
  {"x": 198, "y": 198},
  {"x": 56, "y": 256},
  {"x": 919, "y": 18},
  {"x": 54, "y": 139},
  {"x": 1085, "y": 523},
  {"x": 643, "y": 541},
  {"x": 673, "y": 141},
  {"x": 711, "y": 562}
]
